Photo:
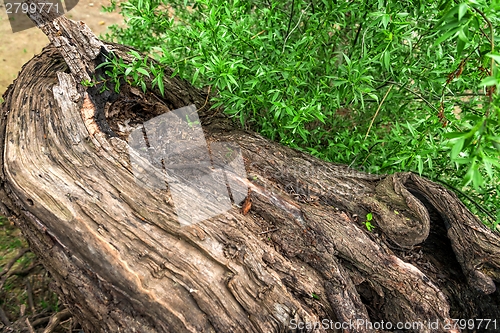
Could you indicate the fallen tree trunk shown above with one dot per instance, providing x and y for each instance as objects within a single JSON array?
[{"x": 295, "y": 257}]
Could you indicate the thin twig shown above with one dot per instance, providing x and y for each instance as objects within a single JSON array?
[
  {"x": 378, "y": 109},
  {"x": 26, "y": 271},
  {"x": 290, "y": 19},
  {"x": 268, "y": 231},
  {"x": 4, "y": 318},
  {"x": 13, "y": 261},
  {"x": 492, "y": 38},
  {"x": 485, "y": 34},
  {"x": 257, "y": 34},
  {"x": 355, "y": 41},
  {"x": 28, "y": 324},
  {"x": 19, "y": 272},
  {"x": 29, "y": 291},
  {"x": 492, "y": 43},
  {"x": 56, "y": 319},
  {"x": 206, "y": 100},
  {"x": 71, "y": 324},
  {"x": 460, "y": 192},
  {"x": 41, "y": 321},
  {"x": 357, "y": 155},
  {"x": 414, "y": 93},
  {"x": 241, "y": 39},
  {"x": 289, "y": 34}
]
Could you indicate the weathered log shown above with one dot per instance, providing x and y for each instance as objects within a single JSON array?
[{"x": 296, "y": 253}]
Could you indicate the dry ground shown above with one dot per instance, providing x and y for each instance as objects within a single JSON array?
[{"x": 17, "y": 48}]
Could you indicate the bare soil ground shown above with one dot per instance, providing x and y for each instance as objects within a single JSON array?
[{"x": 17, "y": 48}]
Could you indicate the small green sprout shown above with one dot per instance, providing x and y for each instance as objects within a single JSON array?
[
  {"x": 369, "y": 226},
  {"x": 191, "y": 123},
  {"x": 87, "y": 83}
]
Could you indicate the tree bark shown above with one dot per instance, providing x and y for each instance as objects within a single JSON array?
[{"x": 296, "y": 256}]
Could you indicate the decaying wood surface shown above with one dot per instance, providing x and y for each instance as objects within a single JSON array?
[{"x": 122, "y": 262}]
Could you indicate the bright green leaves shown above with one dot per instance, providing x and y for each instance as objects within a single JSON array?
[
  {"x": 460, "y": 24},
  {"x": 473, "y": 145},
  {"x": 386, "y": 56},
  {"x": 137, "y": 73},
  {"x": 157, "y": 74},
  {"x": 493, "y": 80},
  {"x": 462, "y": 9},
  {"x": 314, "y": 78},
  {"x": 478, "y": 149},
  {"x": 369, "y": 226},
  {"x": 467, "y": 23}
]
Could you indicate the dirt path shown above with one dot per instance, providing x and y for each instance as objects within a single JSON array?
[{"x": 17, "y": 48}]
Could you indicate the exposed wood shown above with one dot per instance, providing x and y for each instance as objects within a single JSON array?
[
  {"x": 56, "y": 319},
  {"x": 297, "y": 252}
]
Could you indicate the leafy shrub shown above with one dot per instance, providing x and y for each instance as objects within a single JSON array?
[{"x": 382, "y": 86}]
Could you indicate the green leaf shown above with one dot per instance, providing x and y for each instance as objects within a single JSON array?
[
  {"x": 161, "y": 86},
  {"x": 102, "y": 64},
  {"x": 488, "y": 168},
  {"x": 449, "y": 15},
  {"x": 412, "y": 129},
  {"x": 460, "y": 47},
  {"x": 463, "y": 160},
  {"x": 369, "y": 216},
  {"x": 462, "y": 34},
  {"x": 369, "y": 226},
  {"x": 445, "y": 36},
  {"x": 492, "y": 161},
  {"x": 457, "y": 148},
  {"x": 195, "y": 76},
  {"x": 477, "y": 179},
  {"x": 231, "y": 78},
  {"x": 489, "y": 81},
  {"x": 104, "y": 88},
  {"x": 135, "y": 54},
  {"x": 454, "y": 135},
  {"x": 386, "y": 18},
  {"x": 143, "y": 71},
  {"x": 387, "y": 59},
  {"x": 496, "y": 57},
  {"x": 420, "y": 165},
  {"x": 347, "y": 60},
  {"x": 462, "y": 9},
  {"x": 337, "y": 83}
]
